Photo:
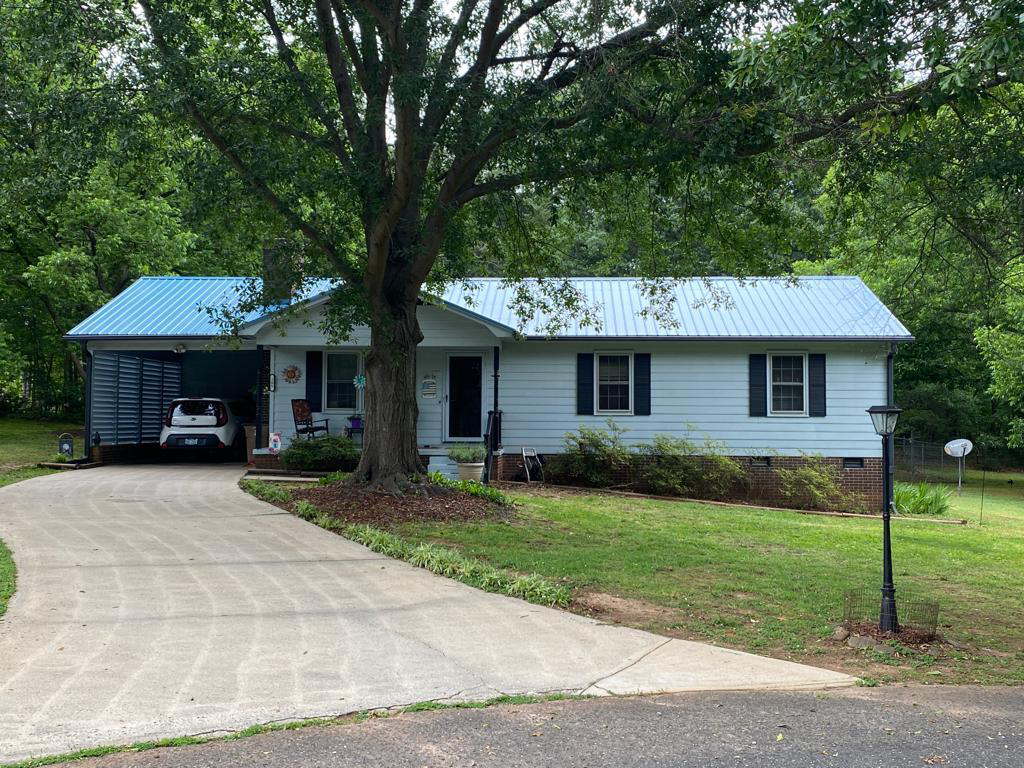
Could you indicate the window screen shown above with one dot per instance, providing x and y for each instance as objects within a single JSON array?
[
  {"x": 341, "y": 373},
  {"x": 613, "y": 382},
  {"x": 787, "y": 383}
]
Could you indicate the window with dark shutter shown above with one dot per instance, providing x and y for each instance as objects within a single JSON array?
[
  {"x": 816, "y": 385},
  {"x": 315, "y": 379},
  {"x": 584, "y": 384},
  {"x": 642, "y": 385},
  {"x": 758, "y": 384}
]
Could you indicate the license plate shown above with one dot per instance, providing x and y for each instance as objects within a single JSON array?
[{"x": 191, "y": 441}]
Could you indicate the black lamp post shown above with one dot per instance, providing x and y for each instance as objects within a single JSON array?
[{"x": 883, "y": 418}]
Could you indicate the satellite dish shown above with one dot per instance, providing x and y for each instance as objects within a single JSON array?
[{"x": 958, "y": 448}]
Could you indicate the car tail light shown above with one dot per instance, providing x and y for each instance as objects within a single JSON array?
[
  {"x": 222, "y": 415},
  {"x": 170, "y": 413}
]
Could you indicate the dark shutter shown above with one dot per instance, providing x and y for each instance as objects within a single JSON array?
[
  {"x": 584, "y": 385},
  {"x": 642, "y": 384},
  {"x": 815, "y": 385},
  {"x": 759, "y": 385},
  {"x": 315, "y": 379}
]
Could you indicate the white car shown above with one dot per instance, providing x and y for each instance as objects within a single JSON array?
[{"x": 200, "y": 422}]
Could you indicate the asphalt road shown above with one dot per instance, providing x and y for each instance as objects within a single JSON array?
[{"x": 851, "y": 728}]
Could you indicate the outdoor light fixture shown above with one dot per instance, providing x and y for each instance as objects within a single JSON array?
[
  {"x": 179, "y": 349},
  {"x": 883, "y": 419}
]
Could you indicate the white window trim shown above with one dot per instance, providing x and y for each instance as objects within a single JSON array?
[
  {"x": 359, "y": 371},
  {"x": 787, "y": 414},
  {"x": 597, "y": 381}
]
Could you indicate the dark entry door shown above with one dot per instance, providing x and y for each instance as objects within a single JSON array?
[{"x": 465, "y": 396}]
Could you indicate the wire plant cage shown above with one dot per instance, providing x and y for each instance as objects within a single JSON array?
[{"x": 918, "y": 615}]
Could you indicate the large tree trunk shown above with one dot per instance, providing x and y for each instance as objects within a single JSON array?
[{"x": 389, "y": 455}]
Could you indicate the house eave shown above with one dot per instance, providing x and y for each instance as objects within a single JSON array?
[{"x": 783, "y": 339}]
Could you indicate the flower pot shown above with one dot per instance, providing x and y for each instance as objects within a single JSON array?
[{"x": 474, "y": 471}]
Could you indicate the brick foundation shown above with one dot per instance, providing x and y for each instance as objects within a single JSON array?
[
  {"x": 266, "y": 461},
  {"x": 761, "y": 484}
]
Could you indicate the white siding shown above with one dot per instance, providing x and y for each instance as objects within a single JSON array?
[
  {"x": 697, "y": 389},
  {"x": 429, "y": 361},
  {"x": 440, "y": 327}
]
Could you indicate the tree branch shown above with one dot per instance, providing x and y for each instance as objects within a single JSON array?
[
  {"x": 258, "y": 185},
  {"x": 339, "y": 73},
  {"x": 284, "y": 52}
]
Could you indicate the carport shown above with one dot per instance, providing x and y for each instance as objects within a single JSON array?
[
  {"x": 129, "y": 391},
  {"x": 150, "y": 351}
]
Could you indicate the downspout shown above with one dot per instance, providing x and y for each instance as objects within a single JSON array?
[
  {"x": 497, "y": 375},
  {"x": 890, "y": 400},
  {"x": 87, "y": 362}
]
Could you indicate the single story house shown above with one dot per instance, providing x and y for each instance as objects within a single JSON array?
[{"x": 772, "y": 369}]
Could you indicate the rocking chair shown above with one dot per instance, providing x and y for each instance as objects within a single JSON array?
[{"x": 304, "y": 422}]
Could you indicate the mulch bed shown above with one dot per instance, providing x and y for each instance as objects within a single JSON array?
[
  {"x": 354, "y": 504},
  {"x": 912, "y": 638}
]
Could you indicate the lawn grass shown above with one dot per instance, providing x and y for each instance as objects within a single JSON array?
[
  {"x": 6, "y": 577},
  {"x": 26, "y": 442},
  {"x": 771, "y": 581}
]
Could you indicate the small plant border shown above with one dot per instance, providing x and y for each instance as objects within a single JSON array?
[{"x": 533, "y": 588}]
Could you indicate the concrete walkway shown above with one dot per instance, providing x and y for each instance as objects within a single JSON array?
[{"x": 158, "y": 601}]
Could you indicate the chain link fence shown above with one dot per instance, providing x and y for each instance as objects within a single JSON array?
[{"x": 987, "y": 473}]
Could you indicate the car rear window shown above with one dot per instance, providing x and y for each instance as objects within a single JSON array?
[{"x": 198, "y": 408}]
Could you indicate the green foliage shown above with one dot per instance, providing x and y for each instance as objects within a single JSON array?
[
  {"x": 7, "y": 574},
  {"x": 467, "y": 453},
  {"x": 592, "y": 457},
  {"x": 306, "y": 510},
  {"x": 677, "y": 467},
  {"x": 58, "y": 458},
  {"x": 261, "y": 489},
  {"x": 471, "y": 487},
  {"x": 921, "y": 499},
  {"x": 454, "y": 565},
  {"x": 816, "y": 484},
  {"x": 333, "y": 478},
  {"x": 331, "y": 452}
]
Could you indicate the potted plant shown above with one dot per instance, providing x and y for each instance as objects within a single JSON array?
[{"x": 469, "y": 457}]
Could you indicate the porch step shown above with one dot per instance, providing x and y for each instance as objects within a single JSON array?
[{"x": 444, "y": 465}]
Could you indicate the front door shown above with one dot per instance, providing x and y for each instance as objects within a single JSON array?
[{"x": 465, "y": 397}]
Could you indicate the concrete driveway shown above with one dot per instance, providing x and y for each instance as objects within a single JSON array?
[{"x": 156, "y": 601}]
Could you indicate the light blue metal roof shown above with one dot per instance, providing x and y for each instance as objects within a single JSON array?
[
  {"x": 824, "y": 308},
  {"x": 175, "y": 307},
  {"x": 696, "y": 308}
]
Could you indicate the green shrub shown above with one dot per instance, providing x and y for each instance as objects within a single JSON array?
[
  {"x": 467, "y": 453},
  {"x": 306, "y": 510},
  {"x": 816, "y": 484},
  {"x": 675, "y": 466},
  {"x": 324, "y": 454},
  {"x": 471, "y": 487},
  {"x": 592, "y": 457},
  {"x": 921, "y": 499},
  {"x": 265, "y": 491},
  {"x": 333, "y": 478},
  {"x": 454, "y": 565},
  {"x": 59, "y": 458}
]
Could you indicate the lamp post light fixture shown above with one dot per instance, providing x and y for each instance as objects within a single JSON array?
[{"x": 883, "y": 419}]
